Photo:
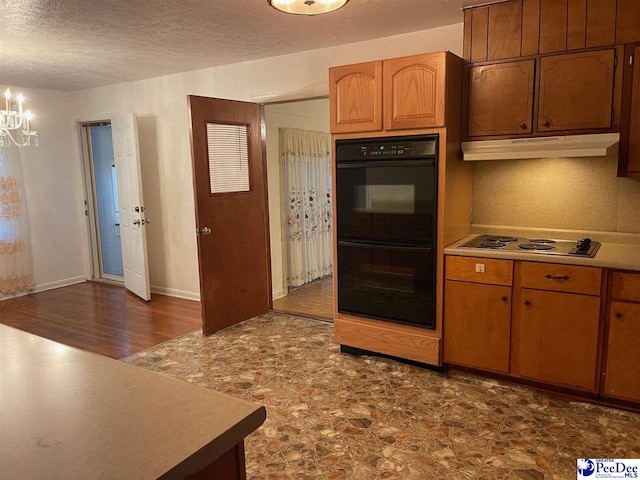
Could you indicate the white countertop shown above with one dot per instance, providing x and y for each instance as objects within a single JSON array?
[
  {"x": 610, "y": 255},
  {"x": 67, "y": 414}
]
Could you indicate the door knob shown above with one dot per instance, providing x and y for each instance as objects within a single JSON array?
[
  {"x": 136, "y": 222},
  {"x": 205, "y": 231}
]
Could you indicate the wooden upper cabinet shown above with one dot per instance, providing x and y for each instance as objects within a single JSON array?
[
  {"x": 622, "y": 379},
  {"x": 501, "y": 98},
  {"x": 477, "y": 330},
  {"x": 576, "y": 24},
  {"x": 356, "y": 97},
  {"x": 504, "y": 39},
  {"x": 414, "y": 91},
  {"x": 479, "y": 29},
  {"x": 601, "y": 23},
  {"x": 529, "y": 27},
  {"x": 576, "y": 91},
  {"x": 628, "y": 21},
  {"x": 631, "y": 136},
  {"x": 558, "y": 338},
  {"x": 553, "y": 25}
]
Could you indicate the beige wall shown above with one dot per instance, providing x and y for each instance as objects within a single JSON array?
[
  {"x": 567, "y": 193},
  {"x": 309, "y": 115},
  {"x": 164, "y": 130},
  {"x": 50, "y": 173}
]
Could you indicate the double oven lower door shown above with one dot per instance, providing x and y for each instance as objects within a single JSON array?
[{"x": 386, "y": 205}]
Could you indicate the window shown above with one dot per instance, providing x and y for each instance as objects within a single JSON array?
[{"x": 228, "y": 158}]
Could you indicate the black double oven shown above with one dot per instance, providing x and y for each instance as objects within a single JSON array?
[{"x": 386, "y": 204}]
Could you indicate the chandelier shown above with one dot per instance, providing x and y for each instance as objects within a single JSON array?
[
  {"x": 15, "y": 125},
  {"x": 307, "y": 7}
]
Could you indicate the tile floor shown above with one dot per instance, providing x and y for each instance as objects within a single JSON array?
[{"x": 334, "y": 416}]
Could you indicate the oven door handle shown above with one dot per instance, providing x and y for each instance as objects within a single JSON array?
[
  {"x": 387, "y": 163},
  {"x": 385, "y": 246}
]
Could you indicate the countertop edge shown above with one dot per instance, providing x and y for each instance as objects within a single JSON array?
[
  {"x": 218, "y": 446},
  {"x": 608, "y": 249}
]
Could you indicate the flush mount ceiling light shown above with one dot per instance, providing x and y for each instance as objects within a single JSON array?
[{"x": 307, "y": 7}]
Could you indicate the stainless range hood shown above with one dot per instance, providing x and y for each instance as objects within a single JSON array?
[{"x": 599, "y": 145}]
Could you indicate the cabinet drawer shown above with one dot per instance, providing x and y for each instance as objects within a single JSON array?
[
  {"x": 465, "y": 269},
  {"x": 561, "y": 278},
  {"x": 625, "y": 286}
]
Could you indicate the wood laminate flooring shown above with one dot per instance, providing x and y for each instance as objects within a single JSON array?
[
  {"x": 102, "y": 318},
  {"x": 314, "y": 300}
]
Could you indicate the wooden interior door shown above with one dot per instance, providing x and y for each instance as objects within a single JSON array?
[
  {"x": 477, "y": 329},
  {"x": 558, "y": 338},
  {"x": 229, "y": 178},
  {"x": 501, "y": 98},
  {"x": 356, "y": 97},
  {"x": 576, "y": 91},
  {"x": 414, "y": 91},
  {"x": 623, "y": 352}
]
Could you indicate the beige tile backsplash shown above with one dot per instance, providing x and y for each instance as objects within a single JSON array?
[{"x": 564, "y": 193}]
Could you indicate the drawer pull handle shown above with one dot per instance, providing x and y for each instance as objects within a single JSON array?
[
  {"x": 527, "y": 303},
  {"x": 504, "y": 299},
  {"x": 557, "y": 277},
  {"x": 618, "y": 315}
]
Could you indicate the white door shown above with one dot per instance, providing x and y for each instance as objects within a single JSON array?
[{"x": 133, "y": 233}]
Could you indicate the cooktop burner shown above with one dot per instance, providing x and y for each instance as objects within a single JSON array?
[
  {"x": 493, "y": 238},
  {"x": 542, "y": 246},
  {"x": 492, "y": 244},
  {"x": 536, "y": 246}
]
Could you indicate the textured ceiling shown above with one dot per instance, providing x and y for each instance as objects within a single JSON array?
[{"x": 75, "y": 44}]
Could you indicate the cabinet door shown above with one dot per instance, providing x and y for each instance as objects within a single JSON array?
[
  {"x": 355, "y": 93},
  {"x": 576, "y": 91},
  {"x": 633, "y": 156},
  {"x": 477, "y": 325},
  {"x": 628, "y": 19},
  {"x": 622, "y": 379},
  {"x": 501, "y": 98},
  {"x": 558, "y": 338},
  {"x": 414, "y": 91}
]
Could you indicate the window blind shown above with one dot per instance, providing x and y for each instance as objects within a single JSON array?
[{"x": 228, "y": 158}]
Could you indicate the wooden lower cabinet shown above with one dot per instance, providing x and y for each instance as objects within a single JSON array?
[
  {"x": 558, "y": 338},
  {"x": 622, "y": 375},
  {"x": 477, "y": 326}
]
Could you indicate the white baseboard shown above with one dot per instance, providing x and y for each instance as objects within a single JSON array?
[
  {"x": 279, "y": 294},
  {"x": 43, "y": 287},
  {"x": 172, "y": 292}
]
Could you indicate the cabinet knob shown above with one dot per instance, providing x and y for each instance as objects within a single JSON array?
[
  {"x": 546, "y": 122},
  {"x": 504, "y": 299},
  {"x": 527, "y": 303},
  {"x": 523, "y": 126},
  {"x": 618, "y": 315}
]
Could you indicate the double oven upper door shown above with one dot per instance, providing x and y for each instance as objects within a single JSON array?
[{"x": 390, "y": 201}]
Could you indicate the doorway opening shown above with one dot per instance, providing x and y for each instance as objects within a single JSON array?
[
  {"x": 299, "y": 189},
  {"x": 101, "y": 204}
]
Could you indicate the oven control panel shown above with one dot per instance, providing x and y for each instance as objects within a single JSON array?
[{"x": 398, "y": 148}]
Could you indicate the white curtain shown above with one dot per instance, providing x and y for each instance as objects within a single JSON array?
[
  {"x": 15, "y": 244},
  {"x": 306, "y": 157}
]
